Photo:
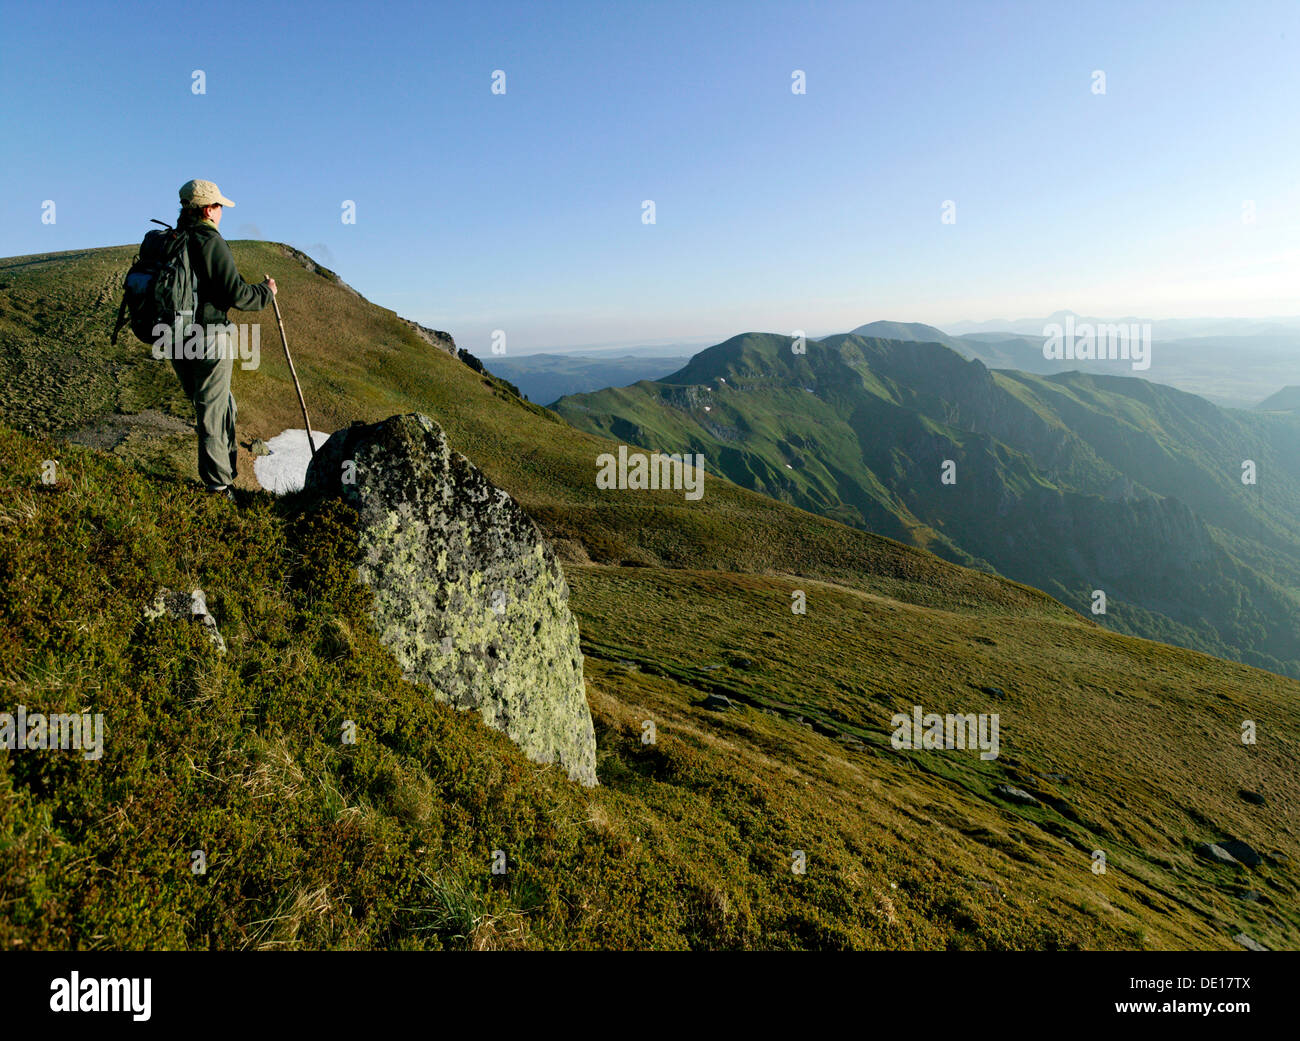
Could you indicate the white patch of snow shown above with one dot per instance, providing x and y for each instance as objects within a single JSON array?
[{"x": 285, "y": 469}]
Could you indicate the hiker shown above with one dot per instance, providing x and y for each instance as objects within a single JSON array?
[{"x": 206, "y": 380}]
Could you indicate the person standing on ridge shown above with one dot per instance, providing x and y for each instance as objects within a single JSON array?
[{"x": 206, "y": 380}]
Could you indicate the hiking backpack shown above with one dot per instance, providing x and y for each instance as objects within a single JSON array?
[{"x": 160, "y": 285}]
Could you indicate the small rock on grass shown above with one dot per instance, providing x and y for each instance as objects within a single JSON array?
[
  {"x": 1215, "y": 852},
  {"x": 1013, "y": 794},
  {"x": 185, "y": 606}
]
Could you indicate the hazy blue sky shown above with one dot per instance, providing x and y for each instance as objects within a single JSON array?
[{"x": 774, "y": 211}]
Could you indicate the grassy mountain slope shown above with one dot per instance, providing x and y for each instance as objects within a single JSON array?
[
  {"x": 1072, "y": 482},
  {"x": 1131, "y": 747}
]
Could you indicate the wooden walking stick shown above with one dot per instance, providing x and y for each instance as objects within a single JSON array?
[{"x": 280, "y": 322}]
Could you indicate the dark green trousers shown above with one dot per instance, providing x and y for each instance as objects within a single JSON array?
[{"x": 206, "y": 382}]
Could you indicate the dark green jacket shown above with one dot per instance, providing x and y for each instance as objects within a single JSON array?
[{"x": 220, "y": 286}]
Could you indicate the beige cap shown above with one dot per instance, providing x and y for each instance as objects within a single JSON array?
[{"x": 203, "y": 193}]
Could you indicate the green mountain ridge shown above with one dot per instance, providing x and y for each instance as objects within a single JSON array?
[{"x": 1072, "y": 483}]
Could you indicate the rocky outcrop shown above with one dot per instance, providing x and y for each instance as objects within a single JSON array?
[
  {"x": 468, "y": 597},
  {"x": 444, "y": 342},
  {"x": 315, "y": 268},
  {"x": 433, "y": 337}
]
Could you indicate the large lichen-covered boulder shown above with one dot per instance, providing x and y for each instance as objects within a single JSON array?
[{"x": 468, "y": 596}]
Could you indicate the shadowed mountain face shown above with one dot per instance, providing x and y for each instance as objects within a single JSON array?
[{"x": 1075, "y": 483}]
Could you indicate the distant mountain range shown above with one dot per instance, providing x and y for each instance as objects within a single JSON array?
[
  {"x": 1073, "y": 482},
  {"x": 1232, "y": 362},
  {"x": 1162, "y": 328},
  {"x": 545, "y": 377}
]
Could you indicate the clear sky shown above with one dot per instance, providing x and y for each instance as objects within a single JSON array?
[{"x": 775, "y": 211}]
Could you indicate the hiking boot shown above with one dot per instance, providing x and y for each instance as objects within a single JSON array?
[{"x": 224, "y": 491}]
